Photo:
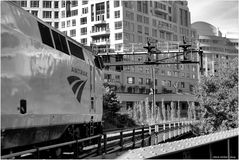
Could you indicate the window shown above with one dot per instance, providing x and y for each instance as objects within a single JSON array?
[
  {"x": 140, "y": 69},
  {"x": 76, "y": 50},
  {"x": 63, "y": 24},
  {"x": 146, "y": 20},
  {"x": 56, "y": 14},
  {"x": 117, "y": 14},
  {"x": 164, "y": 82},
  {"x": 108, "y": 9},
  {"x": 169, "y": 9},
  {"x": 74, "y": 3},
  {"x": 34, "y": 4},
  {"x": 130, "y": 80},
  {"x": 154, "y": 32},
  {"x": 63, "y": 14},
  {"x": 85, "y": 10},
  {"x": 73, "y": 22},
  {"x": 140, "y": 29},
  {"x": 169, "y": 83},
  {"x": 194, "y": 68},
  {"x": 45, "y": 34},
  {"x": 83, "y": 31},
  {"x": 140, "y": 59},
  {"x": 74, "y": 12},
  {"x": 126, "y": 36},
  {"x": 140, "y": 80},
  {"x": 161, "y": 34},
  {"x": 146, "y": 30},
  {"x": 118, "y": 47},
  {"x": 116, "y": 3},
  {"x": 128, "y": 4},
  {"x": 83, "y": 40},
  {"x": 64, "y": 32},
  {"x": 84, "y": 2},
  {"x": 49, "y": 23},
  {"x": 63, "y": 4},
  {"x": 139, "y": 6},
  {"x": 182, "y": 84},
  {"x": 169, "y": 73},
  {"x": 127, "y": 68},
  {"x": 23, "y": 3},
  {"x": 139, "y": 18},
  {"x": 117, "y": 77},
  {"x": 35, "y": 13},
  {"x": 60, "y": 42},
  {"x": 118, "y": 36},
  {"x": 118, "y": 58},
  {"x": 46, "y": 4},
  {"x": 194, "y": 76},
  {"x": 118, "y": 25},
  {"x": 56, "y": 4},
  {"x": 73, "y": 33},
  {"x": 145, "y": 7},
  {"x": 154, "y": 22},
  {"x": 140, "y": 39},
  {"x": 148, "y": 81},
  {"x": 56, "y": 24},
  {"x": 68, "y": 23},
  {"x": 46, "y": 14},
  {"x": 129, "y": 15},
  {"x": 83, "y": 20}
]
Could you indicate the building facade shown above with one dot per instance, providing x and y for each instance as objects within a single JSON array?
[
  {"x": 216, "y": 49},
  {"x": 125, "y": 27}
]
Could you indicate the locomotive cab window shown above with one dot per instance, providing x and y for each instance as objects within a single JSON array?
[
  {"x": 60, "y": 42},
  {"x": 76, "y": 50},
  {"x": 45, "y": 34}
]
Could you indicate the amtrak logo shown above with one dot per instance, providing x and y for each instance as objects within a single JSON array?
[{"x": 77, "y": 86}]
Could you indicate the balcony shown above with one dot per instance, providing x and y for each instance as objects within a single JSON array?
[
  {"x": 101, "y": 42},
  {"x": 100, "y": 32},
  {"x": 160, "y": 10},
  {"x": 165, "y": 28},
  {"x": 100, "y": 22}
]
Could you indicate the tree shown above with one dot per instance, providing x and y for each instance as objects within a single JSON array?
[
  {"x": 218, "y": 99},
  {"x": 111, "y": 104},
  {"x": 111, "y": 107}
]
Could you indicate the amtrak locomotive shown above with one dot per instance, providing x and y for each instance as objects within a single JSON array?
[{"x": 51, "y": 86}]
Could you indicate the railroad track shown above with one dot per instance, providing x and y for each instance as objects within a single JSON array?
[{"x": 107, "y": 143}]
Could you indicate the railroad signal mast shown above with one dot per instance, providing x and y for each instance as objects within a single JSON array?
[{"x": 151, "y": 50}]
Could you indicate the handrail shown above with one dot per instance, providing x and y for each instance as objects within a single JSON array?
[
  {"x": 48, "y": 147},
  {"x": 124, "y": 137}
]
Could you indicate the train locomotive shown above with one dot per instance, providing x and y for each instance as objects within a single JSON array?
[{"x": 51, "y": 86}]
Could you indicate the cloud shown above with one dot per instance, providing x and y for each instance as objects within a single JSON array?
[{"x": 220, "y": 13}]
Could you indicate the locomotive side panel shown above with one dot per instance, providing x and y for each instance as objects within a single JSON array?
[{"x": 54, "y": 85}]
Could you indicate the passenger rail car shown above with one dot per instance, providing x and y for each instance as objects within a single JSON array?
[{"x": 51, "y": 86}]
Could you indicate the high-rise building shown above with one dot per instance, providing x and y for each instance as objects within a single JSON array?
[
  {"x": 217, "y": 49},
  {"x": 125, "y": 26}
]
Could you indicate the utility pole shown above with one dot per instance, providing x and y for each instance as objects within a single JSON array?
[
  {"x": 153, "y": 100},
  {"x": 149, "y": 47}
]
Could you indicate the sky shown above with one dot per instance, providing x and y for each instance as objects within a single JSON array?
[{"x": 222, "y": 14}]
